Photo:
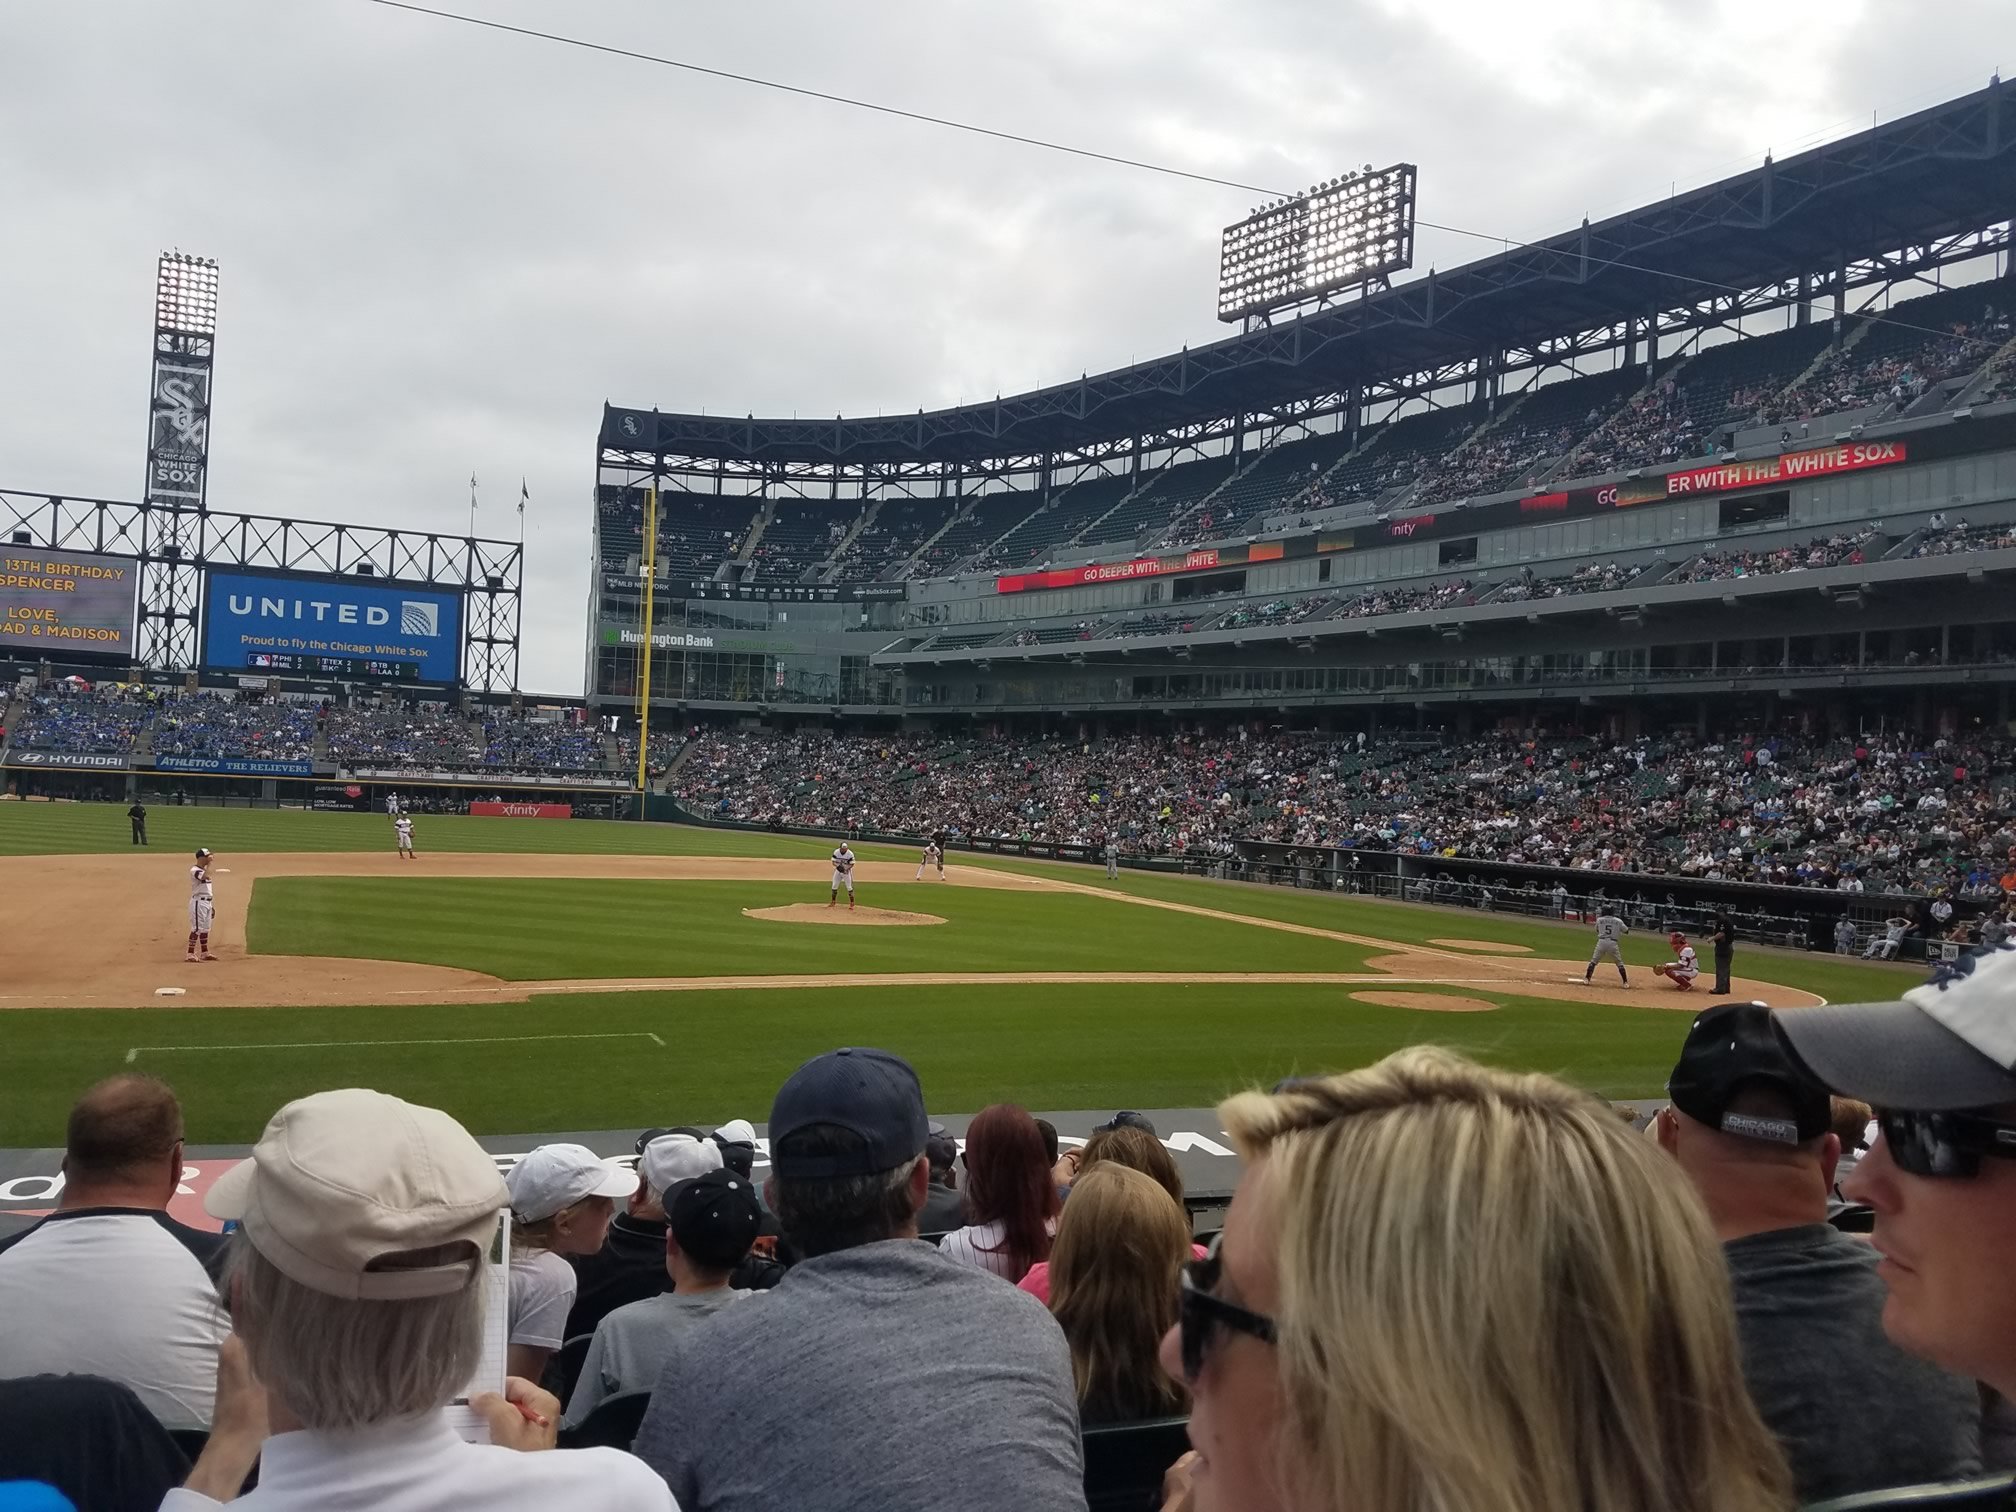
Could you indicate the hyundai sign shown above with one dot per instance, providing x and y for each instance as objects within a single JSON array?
[{"x": 250, "y": 620}]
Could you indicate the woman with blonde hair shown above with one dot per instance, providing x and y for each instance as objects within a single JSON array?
[
  {"x": 563, "y": 1198},
  {"x": 1115, "y": 1275},
  {"x": 1446, "y": 1286},
  {"x": 1133, "y": 1148}
]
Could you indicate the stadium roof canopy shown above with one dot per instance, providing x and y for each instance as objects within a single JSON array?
[{"x": 1900, "y": 188}]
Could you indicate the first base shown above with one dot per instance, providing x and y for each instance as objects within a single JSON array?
[{"x": 170, "y": 991}]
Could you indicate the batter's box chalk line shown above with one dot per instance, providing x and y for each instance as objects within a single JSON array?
[{"x": 489, "y": 1039}]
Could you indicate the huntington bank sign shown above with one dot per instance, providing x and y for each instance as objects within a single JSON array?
[{"x": 247, "y": 618}]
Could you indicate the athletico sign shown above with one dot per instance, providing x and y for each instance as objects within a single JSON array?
[
  {"x": 521, "y": 811},
  {"x": 234, "y": 766},
  {"x": 1105, "y": 572}
]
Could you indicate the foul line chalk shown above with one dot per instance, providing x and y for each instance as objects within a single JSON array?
[{"x": 494, "y": 1039}]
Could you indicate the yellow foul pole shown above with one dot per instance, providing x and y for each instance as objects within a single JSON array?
[{"x": 650, "y": 582}]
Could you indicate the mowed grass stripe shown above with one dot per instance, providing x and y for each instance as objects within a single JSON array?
[
  {"x": 542, "y": 929},
  {"x": 30, "y": 829},
  {"x": 726, "y": 1053}
]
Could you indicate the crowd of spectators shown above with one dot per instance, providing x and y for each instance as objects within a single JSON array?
[
  {"x": 73, "y": 716},
  {"x": 1943, "y": 537},
  {"x": 520, "y": 743},
  {"x": 1592, "y": 577},
  {"x": 1850, "y": 380},
  {"x": 220, "y": 725},
  {"x": 1657, "y": 426},
  {"x": 393, "y": 736},
  {"x": 1455, "y": 593},
  {"x": 1843, "y": 549},
  {"x": 1882, "y": 813},
  {"x": 1497, "y": 460},
  {"x": 1276, "y": 612},
  {"x": 939, "y": 1327}
]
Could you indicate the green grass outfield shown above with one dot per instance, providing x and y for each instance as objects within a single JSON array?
[{"x": 612, "y": 1060}]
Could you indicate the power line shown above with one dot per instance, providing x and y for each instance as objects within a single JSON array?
[
  {"x": 1042, "y": 143},
  {"x": 831, "y": 99}
]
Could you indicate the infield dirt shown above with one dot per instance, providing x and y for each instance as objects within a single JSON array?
[{"x": 114, "y": 927}]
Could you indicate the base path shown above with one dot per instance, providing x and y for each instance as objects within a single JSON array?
[{"x": 113, "y": 928}]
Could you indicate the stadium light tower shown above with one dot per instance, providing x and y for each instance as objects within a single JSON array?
[
  {"x": 178, "y": 454},
  {"x": 1353, "y": 232}
]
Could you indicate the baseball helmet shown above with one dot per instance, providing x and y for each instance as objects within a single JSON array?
[
  {"x": 1676, "y": 939},
  {"x": 202, "y": 854}
]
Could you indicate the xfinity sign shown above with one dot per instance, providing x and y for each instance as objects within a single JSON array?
[{"x": 249, "y": 617}]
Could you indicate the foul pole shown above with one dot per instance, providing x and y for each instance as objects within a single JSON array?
[{"x": 644, "y": 679}]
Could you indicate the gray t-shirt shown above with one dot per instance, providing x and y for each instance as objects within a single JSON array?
[
  {"x": 884, "y": 1378},
  {"x": 630, "y": 1344},
  {"x": 1852, "y": 1410}
]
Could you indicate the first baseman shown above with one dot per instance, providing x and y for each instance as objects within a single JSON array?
[
  {"x": 933, "y": 856},
  {"x": 843, "y": 874},
  {"x": 202, "y": 908}
]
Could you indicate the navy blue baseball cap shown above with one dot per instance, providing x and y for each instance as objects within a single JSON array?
[{"x": 869, "y": 1093}]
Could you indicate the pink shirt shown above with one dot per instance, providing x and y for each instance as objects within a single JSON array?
[{"x": 1037, "y": 1282}]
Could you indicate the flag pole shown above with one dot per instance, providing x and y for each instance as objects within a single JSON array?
[
  {"x": 644, "y": 681},
  {"x": 472, "y": 505}
]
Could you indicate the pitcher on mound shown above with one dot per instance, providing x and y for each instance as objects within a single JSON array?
[{"x": 843, "y": 875}]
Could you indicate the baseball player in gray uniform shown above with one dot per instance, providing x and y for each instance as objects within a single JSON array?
[{"x": 1610, "y": 932}]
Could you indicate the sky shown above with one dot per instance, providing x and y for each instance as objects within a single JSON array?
[{"x": 443, "y": 248}]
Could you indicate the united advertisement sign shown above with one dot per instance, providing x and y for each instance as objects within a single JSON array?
[{"x": 247, "y": 617}]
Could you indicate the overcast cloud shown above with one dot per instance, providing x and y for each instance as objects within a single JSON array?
[{"x": 443, "y": 248}]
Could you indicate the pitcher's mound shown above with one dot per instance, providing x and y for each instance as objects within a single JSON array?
[
  {"x": 819, "y": 913},
  {"x": 1488, "y": 947},
  {"x": 1425, "y": 1002}
]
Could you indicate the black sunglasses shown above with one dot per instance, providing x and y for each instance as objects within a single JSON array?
[
  {"x": 1202, "y": 1313},
  {"x": 1944, "y": 1144}
]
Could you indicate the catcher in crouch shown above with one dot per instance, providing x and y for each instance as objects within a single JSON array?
[{"x": 1683, "y": 968}]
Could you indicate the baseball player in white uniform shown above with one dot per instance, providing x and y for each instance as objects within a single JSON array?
[
  {"x": 843, "y": 875},
  {"x": 403, "y": 827},
  {"x": 1110, "y": 852},
  {"x": 1610, "y": 932},
  {"x": 933, "y": 856},
  {"x": 202, "y": 908},
  {"x": 1683, "y": 968}
]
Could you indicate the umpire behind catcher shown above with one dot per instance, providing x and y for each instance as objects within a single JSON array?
[{"x": 1724, "y": 933}]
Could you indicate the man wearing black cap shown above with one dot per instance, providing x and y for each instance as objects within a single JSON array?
[
  {"x": 878, "y": 1373},
  {"x": 711, "y": 1222},
  {"x": 1753, "y": 1135},
  {"x": 1939, "y": 1066}
]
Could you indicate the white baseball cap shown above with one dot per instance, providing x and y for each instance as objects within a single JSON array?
[
  {"x": 736, "y": 1131},
  {"x": 341, "y": 1180},
  {"x": 557, "y": 1176},
  {"x": 1948, "y": 1045},
  {"x": 674, "y": 1158}
]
